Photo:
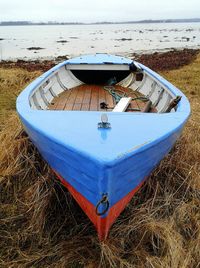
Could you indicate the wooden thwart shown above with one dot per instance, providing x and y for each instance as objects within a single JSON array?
[{"x": 122, "y": 104}]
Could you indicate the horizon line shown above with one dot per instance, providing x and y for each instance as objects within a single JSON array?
[{"x": 25, "y": 22}]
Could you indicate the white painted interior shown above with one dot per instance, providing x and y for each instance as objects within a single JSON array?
[
  {"x": 114, "y": 67},
  {"x": 63, "y": 79}
]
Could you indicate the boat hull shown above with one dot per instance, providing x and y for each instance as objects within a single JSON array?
[
  {"x": 87, "y": 186},
  {"x": 102, "y": 224},
  {"x": 102, "y": 167}
]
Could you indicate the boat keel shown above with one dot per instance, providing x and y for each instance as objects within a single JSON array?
[{"x": 102, "y": 224}]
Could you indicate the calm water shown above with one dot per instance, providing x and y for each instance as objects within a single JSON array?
[{"x": 71, "y": 40}]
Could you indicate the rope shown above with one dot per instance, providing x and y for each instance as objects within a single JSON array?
[
  {"x": 117, "y": 96},
  {"x": 112, "y": 91}
]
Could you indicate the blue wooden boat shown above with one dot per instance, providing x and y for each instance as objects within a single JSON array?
[{"x": 103, "y": 123}]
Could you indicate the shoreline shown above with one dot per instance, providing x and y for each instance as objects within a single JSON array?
[
  {"x": 158, "y": 61},
  {"x": 50, "y": 23}
]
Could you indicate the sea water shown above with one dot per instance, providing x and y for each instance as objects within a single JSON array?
[{"x": 50, "y": 41}]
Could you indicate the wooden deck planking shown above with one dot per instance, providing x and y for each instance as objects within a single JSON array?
[
  {"x": 59, "y": 103},
  {"x": 89, "y": 97},
  {"x": 109, "y": 100},
  {"x": 86, "y": 100},
  {"x": 94, "y": 99},
  {"x": 79, "y": 99},
  {"x": 102, "y": 98},
  {"x": 70, "y": 101},
  {"x": 133, "y": 105}
]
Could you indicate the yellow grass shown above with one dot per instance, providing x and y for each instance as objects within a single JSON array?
[
  {"x": 42, "y": 226},
  {"x": 12, "y": 81}
]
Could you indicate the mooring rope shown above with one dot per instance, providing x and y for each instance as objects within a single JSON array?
[{"x": 117, "y": 96}]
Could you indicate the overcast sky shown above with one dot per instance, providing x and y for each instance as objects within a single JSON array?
[{"x": 97, "y": 10}]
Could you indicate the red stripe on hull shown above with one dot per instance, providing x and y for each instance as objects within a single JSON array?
[{"x": 102, "y": 224}]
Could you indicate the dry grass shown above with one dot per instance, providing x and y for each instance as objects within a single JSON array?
[
  {"x": 42, "y": 226},
  {"x": 11, "y": 83}
]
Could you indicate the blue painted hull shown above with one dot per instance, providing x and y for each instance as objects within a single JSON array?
[
  {"x": 92, "y": 177},
  {"x": 95, "y": 161}
]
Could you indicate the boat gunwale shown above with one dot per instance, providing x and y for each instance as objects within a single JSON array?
[
  {"x": 183, "y": 105},
  {"x": 24, "y": 97}
]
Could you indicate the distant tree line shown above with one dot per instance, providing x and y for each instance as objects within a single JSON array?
[{"x": 21, "y": 23}]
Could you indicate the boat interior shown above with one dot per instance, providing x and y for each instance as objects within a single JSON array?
[{"x": 108, "y": 87}]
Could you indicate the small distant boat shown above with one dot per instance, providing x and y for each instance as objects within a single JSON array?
[{"x": 103, "y": 123}]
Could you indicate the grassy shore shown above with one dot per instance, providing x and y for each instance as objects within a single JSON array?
[{"x": 42, "y": 226}]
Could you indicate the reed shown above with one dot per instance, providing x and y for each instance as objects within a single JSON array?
[{"x": 42, "y": 226}]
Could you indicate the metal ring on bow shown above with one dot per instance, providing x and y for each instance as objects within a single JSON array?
[{"x": 104, "y": 200}]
